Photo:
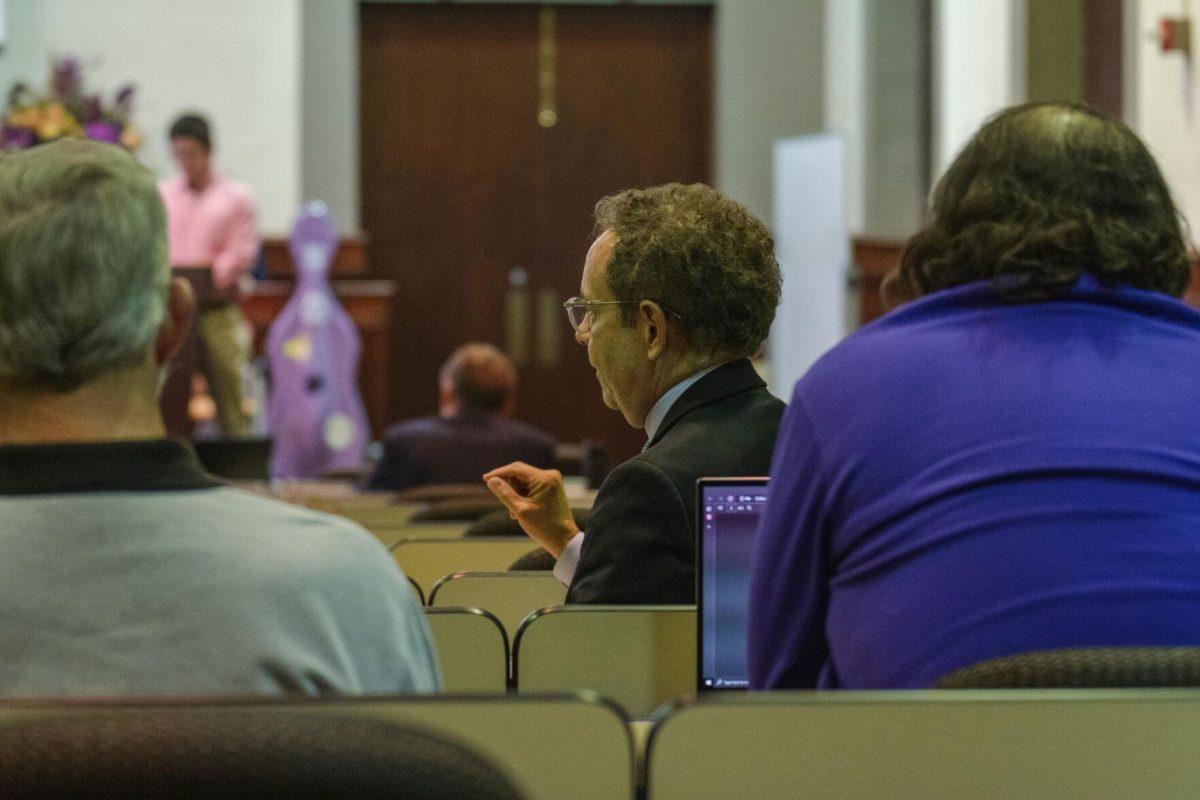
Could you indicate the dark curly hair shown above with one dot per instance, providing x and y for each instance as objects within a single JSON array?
[
  {"x": 707, "y": 260},
  {"x": 1042, "y": 194}
]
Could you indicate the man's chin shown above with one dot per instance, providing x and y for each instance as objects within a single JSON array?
[
  {"x": 607, "y": 397},
  {"x": 611, "y": 403}
]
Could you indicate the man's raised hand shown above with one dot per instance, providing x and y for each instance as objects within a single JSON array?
[{"x": 537, "y": 500}]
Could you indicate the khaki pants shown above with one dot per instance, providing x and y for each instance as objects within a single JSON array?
[{"x": 225, "y": 336}]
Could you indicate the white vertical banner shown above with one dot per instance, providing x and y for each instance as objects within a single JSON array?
[{"x": 813, "y": 249}]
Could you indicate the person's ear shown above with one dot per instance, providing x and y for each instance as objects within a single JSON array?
[
  {"x": 653, "y": 323},
  {"x": 447, "y": 401},
  {"x": 181, "y": 305}
]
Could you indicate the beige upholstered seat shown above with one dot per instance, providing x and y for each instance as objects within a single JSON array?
[
  {"x": 391, "y": 536},
  {"x": 1082, "y": 668},
  {"x": 1066, "y": 745},
  {"x": 427, "y": 560},
  {"x": 523, "y": 736},
  {"x": 235, "y": 752},
  {"x": 639, "y": 656},
  {"x": 472, "y": 649},
  {"x": 511, "y": 596}
]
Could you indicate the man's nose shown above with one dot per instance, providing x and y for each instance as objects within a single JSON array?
[{"x": 582, "y": 334}]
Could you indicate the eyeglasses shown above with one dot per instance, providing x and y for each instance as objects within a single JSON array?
[{"x": 579, "y": 310}]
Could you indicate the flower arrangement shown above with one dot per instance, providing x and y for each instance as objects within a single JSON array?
[{"x": 65, "y": 110}]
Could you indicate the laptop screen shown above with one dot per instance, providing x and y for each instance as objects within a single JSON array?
[{"x": 727, "y": 514}]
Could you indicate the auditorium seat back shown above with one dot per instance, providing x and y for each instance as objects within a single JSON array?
[
  {"x": 450, "y": 529},
  {"x": 383, "y": 517},
  {"x": 575, "y": 746},
  {"x": 438, "y": 492},
  {"x": 399, "y": 526},
  {"x": 427, "y": 560},
  {"x": 234, "y": 752},
  {"x": 390, "y": 523},
  {"x": 639, "y": 656},
  {"x": 472, "y": 649},
  {"x": 511, "y": 596},
  {"x": 1082, "y": 668},
  {"x": 1079, "y": 744},
  {"x": 387, "y": 521},
  {"x": 417, "y": 591}
]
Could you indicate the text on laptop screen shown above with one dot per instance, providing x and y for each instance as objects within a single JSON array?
[{"x": 728, "y": 516}]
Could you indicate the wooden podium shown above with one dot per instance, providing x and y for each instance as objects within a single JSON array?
[{"x": 177, "y": 390}]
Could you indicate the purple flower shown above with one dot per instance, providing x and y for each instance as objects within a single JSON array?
[
  {"x": 91, "y": 108},
  {"x": 15, "y": 138},
  {"x": 67, "y": 80},
  {"x": 16, "y": 93},
  {"x": 102, "y": 132},
  {"x": 124, "y": 101}
]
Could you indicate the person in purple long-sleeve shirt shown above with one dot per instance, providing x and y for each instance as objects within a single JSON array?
[{"x": 1011, "y": 461}]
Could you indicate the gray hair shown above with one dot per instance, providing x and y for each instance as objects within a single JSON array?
[
  {"x": 83, "y": 263},
  {"x": 704, "y": 258}
]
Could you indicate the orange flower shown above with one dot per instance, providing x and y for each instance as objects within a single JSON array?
[
  {"x": 57, "y": 121},
  {"x": 131, "y": 137},
  {"x": 28, "y": 117}
]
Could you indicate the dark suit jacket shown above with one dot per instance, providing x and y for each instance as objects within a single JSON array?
[
  {"x": 639, "y": 546},
  {"x": 456, "y": 449}
]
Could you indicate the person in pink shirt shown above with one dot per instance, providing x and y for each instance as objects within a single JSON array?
[{"x": 212, "y": 223}]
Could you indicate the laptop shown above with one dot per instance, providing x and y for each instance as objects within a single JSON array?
[{"x": 727, "y": 514}]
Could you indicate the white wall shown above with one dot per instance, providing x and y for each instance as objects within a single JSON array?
[
  {"x": 769, "y": 58},
  {"x": 897, "y": 162},
  {"x": 875, "y": 100},
  {"x": 1164, "y": 111},
  {"x": 329, "y": 108},
  {"x": 237, "y": 61}
]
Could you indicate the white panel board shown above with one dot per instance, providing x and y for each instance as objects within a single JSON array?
[{"x": 813, "y": 248}]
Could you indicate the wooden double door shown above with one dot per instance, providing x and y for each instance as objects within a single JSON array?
[{"x": 488, "y": 134}]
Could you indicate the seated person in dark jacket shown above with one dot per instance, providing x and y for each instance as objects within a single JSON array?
[
  {"x": 473, "y": 431},
  {"x": 678, "y": 292}
]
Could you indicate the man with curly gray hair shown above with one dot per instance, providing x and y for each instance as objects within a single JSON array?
[
  {"x": 126, "y": 568},
  {"x": 678, "y": 293}
]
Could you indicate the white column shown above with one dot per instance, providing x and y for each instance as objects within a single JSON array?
[
  {"x": 978, "y": 68},
  {"x": 846, "y": 94}
]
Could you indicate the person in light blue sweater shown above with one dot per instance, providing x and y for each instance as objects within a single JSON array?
[{"x": 124, "y": 568}]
